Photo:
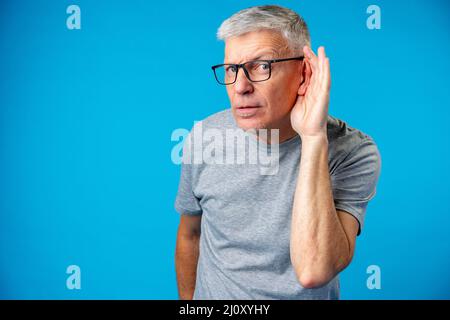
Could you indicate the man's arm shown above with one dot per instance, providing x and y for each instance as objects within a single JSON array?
[
  {"x": 186, "y": 254},
  {"x": 322, "y": 239}
]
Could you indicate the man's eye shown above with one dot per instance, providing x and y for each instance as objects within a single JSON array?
[
  {"x": 231, "y": 69},
  {"x": 263, "y": 67}
]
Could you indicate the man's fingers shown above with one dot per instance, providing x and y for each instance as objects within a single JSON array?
[
  {"x": 311, "y": 57},
  {"x": 321, "y": 57},
  {"x": 326, "y": 76},
  {"x": 324, "y": 66},
  {"x": 328, "y": 73},
  {"x": 316, "y": 66},
  {"x": 323, "y": 71},
  {"x": 320, "y": 69}
]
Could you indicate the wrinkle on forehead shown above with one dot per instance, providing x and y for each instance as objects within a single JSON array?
[{"x": 265, "y": 44}]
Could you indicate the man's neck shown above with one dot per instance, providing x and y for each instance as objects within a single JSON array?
[{"x": 283, "y": 135}]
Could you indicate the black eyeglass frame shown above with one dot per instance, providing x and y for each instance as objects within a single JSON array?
[{"x": 242, "y": 65}]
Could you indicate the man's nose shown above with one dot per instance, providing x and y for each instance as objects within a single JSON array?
[{"x": 242, "y": 84}]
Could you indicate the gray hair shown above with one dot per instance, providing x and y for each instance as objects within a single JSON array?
[{"x": 285, "y": 21}]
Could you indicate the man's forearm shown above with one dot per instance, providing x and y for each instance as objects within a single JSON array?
[
  {"x": 186, "y": 259},
  {"x": 319, "y": 246}
]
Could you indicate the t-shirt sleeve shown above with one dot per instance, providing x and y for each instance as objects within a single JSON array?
[
  {"x": 186, "y": 202},
  {"x": 355, "y": 179}
]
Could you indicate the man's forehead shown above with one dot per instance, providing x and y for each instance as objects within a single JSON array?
[
  {"x": 254, "y": 45},
  {"x": 263, "y": 53}
]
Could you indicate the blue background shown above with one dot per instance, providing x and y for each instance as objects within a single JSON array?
[{"x": 86, "y": 118}]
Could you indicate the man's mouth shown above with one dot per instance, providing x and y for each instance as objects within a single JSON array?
[{"x": 246, "y": 111}]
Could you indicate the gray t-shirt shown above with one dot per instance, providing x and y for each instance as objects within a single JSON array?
[{"x": 246, "y": 215}]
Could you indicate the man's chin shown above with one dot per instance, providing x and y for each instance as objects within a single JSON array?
[
  {"x": 244, "y": 122},
  {"x": 249, "y": 123}
]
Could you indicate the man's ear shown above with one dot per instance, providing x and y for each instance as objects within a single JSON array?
[{"x": 306, "y": 77}]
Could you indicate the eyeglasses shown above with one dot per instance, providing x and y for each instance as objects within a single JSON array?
[{"x": 255, "y": 71}]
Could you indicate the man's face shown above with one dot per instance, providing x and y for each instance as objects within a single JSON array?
[{"x": 266, "y": 104}]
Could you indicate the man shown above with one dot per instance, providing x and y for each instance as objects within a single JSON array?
[{"x": 246, "y": 235}]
